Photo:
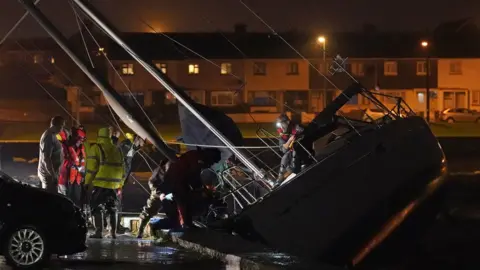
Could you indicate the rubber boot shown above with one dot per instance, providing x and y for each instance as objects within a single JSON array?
[
  {"x": 141, "y": 228},
  {"x": 113, "y": 225},
  {"x": 98, "y": 224}
]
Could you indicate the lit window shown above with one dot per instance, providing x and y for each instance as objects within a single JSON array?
[
  {"x": 358, "y": 69},
  {"x": 455, "y": 68},
  {"x": 259, "y": 68},
  {"x": 390, "y": 68},
  {"x": 292, "y": 68},
  {"x": 421, "y": 97},
  {"x": 225, "y": 68},
  {"x": 37, "y": 59},
  {"x": 222, "y": 98},
  {"x": 127, "y": 69},
  {"x": 193, "y": 69},
  {"x": 421, "y": 68},
  {"x": 475, "y": 97},
  {"x": 162, "y": 67}
]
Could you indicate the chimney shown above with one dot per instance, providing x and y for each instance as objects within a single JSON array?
[{"x": 240, "y": 28}]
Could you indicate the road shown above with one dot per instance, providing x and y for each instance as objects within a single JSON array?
[{"x": 130, "y": 253}]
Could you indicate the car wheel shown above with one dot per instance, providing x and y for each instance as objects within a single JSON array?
[
  {"x": 450, "y": 120},
  {"x": 25, "y": 248}
]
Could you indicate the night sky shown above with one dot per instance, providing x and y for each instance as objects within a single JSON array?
[{"x": 316, "y": 16}]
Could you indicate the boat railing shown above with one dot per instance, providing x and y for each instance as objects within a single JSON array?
[
  {"x": 242, "y": 187},
  {"x": 400, "y": 108}
]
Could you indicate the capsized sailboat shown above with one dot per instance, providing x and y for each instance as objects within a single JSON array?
[
  {"x": 365, "y": 186},
  {"x": 374, "y": 186}
]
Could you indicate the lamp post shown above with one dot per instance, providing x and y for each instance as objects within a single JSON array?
[
  {"x": 323, "y": 41},
  {"x": 427, "y": 79}
]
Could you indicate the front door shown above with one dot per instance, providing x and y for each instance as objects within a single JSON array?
[{"x": 460, "y": 100}]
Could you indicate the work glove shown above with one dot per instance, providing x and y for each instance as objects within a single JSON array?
[{"x": 169, "y": 197}]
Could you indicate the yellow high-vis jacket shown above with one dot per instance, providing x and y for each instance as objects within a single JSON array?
[{"x": 105, "y": 166}]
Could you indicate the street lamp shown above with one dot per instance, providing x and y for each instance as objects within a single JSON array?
[
  {"x": 427, "y": 78},
  {"x": 323, "y": 41}
]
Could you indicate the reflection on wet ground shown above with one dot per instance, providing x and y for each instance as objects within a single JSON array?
[{"x": 130, "y": 253}]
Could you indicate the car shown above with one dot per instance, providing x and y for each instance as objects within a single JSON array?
[
  {"x": 35, "y": 224},
  {"x": 452, "y": 115}
]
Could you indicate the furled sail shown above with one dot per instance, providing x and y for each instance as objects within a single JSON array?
[{"x": 195, "y": 132}]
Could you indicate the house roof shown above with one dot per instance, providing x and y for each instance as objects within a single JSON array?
[
  {"x": 33, "y": 44},
  {"x": 177, "y": 46}
]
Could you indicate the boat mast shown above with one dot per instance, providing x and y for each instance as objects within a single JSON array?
[
  {"x": 162, "y": 79},
  {"x": 113, "y": 98}
]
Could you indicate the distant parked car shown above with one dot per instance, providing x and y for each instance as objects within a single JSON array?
[
  {"x": 35, "y": 224},
  {"x": 453, "y": 115},
  {"x": 373, "y": 114}
]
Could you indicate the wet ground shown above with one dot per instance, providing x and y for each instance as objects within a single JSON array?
[
  {"x": 452, "y": 243},
  {"x": 130, "y": 253}
]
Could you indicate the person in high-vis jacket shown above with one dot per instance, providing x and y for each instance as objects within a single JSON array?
[{"x": 105, "y": 176}]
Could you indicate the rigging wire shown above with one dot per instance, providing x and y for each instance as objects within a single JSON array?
[
  {"x": 63, "y": 75},
  {"x": 221, "y": 146},
  {"x": 303, "y": 57},
  {"x": 245, "y": 56},
  {"x": 314, "y": 67},
  {"x": 78, "y": 20},
  {"x": 15, "y": 26},
  {"x": 229, "y": 73},
  {"x": 83, "y": 38},
  {"x": 115, "y": 70},
  {"x": 49, "y": 94}
]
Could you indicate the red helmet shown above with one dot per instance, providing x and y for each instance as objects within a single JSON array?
[{"x": 79, "y": 134}]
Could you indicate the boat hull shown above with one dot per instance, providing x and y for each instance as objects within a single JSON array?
[{"x": 344, "y": 207}]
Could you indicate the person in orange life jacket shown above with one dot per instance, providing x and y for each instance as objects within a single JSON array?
[
  {"x": 182, "y": 182},
  {"x": 63, "y": 137},
  {"x": 77, "y": 155},
  {"x": 288, "y": 132}
]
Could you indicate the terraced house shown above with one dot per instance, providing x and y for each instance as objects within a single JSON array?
[
  {"x": 240, "y": 73},
  {"x": 394, "y": 65},
  {"x": 257, "y": 74}
]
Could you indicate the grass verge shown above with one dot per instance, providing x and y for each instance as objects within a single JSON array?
[{"x": 31, "y": 132}]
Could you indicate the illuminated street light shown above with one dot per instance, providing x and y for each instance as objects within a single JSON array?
[
  {"x": 323, "y": 41},
  {"x": 427, "y": 79}
]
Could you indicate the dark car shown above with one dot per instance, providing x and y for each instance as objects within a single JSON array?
[{"x": 35, "y": 224}]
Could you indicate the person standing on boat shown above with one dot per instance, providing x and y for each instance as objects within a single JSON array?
[
  {"x": 50, "y": 155},
  {"x": 287, "y": 131},
  {"x": 105, "y": 176}
]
